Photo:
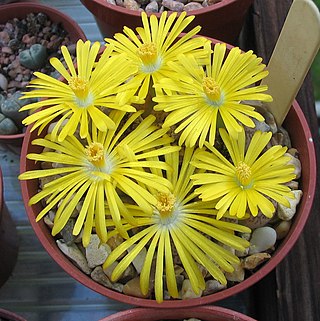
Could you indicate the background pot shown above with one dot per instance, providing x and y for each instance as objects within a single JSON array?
[
  {"x": 301, "y": 138},
  {"x": 8, "y": 240},
  {"x": 222, "y": 20},
  {"x": 20, "y": 10},
  {"x": 205, "y": 313},
  {"x": 10, "y": 316}
]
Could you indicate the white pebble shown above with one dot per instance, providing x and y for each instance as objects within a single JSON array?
[
  {"x": 252, "y": 261},
  {"x": 263, "y": 238},
  {"x": 96, "y": 252},
  {"x": 237, "y": 275},
  {"x": 283, "y": 229},
  {"x": 296, "y": 163},
  {"x": 74, "y": 253},
  {"x": 187, "y": 291},
  {"x": 287, "y": 213}
]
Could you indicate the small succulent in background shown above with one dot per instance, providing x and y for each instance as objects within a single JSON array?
[
  {"x": 11, "y": 117},
  {"x": 7, "y": 126},
  {"x": 27, "y": 44},
  {"x": 35, "y": 57}
]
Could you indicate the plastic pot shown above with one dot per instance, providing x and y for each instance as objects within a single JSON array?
[
  {"x": 20, "y": 10},
  {"x": 301, "y": 138},
  {"x": 207, "y": 313},
  {"x": 8, "y": 240},
  {"x": 223, "y": 20},
  {"x": 10, "y": 316}
]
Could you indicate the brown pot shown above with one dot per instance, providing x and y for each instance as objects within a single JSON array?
[
  {"x": 299, "y": 131},
  {"x": 223, "y": 20},
  {"x": 10, "y": 316},
  {"x": 205, "y": 313},
  {"x": 8, "y": 240},
  {"x": 20, "y": 10}
]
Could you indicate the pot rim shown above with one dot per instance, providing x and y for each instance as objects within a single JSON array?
[
  {"x": 204, "y": 312},
  {"x": 10, "y": 315}
]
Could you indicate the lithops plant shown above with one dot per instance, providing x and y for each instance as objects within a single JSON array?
[
  {"x": 7, "y": 126},
  {"x": 34, "y": 58},
  {"x": 11, "y": 118}
]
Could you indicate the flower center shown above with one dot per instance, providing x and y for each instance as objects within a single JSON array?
[
  {"x": 212, "y": 89},
  {"x": 165, "y": 205},
  {"x": 96, "y": 154},
  {"x": 80, "y": 87},
  {"x": 148, "y": 53},
  {"x": 243, "y": 173}
]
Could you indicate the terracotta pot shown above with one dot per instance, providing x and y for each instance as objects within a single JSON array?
[
  {"x": 8, "y": 240},
  {"x": 205, "y": 313},
  {"x": 20, "y": 10},
  {"x": 10, "y": 316},
  {"x": 222, "y": 20},
  {"x": 301, "y": 138}
]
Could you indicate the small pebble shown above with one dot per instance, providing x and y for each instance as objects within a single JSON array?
[
  {"x": 286, "y": 141},
  {"x": 263, "y": 238},
  {"x": 269, "y": 119},
  {"x": 142, "y": 2},
  {"x": 132, "y": 287},
  {"x": 96, "y": 252},
  {"x": 139, "y": 260},
  {"x": 152, "y": 7},
  {"x": 98, "y": 275},
  {"x": 74, "y": 253},
  {"x": 3, "y": 82},
  {"x": 67, "y": 232},
  {"x": 287, "y": 213},
  {"x": 296, "y": 163},
  {"x": 192, "y": 6},
  {"x": 120, "y": 3},
  {"x": 131, "y": 4},
  {"x": 213, "y": 286},
  {"x": 173, "y": 5},
  {"x": 282, "y": 229},
  {"x": 252, "y": 261},
  {"x": 237, "y": 275},
  {"x": 261, "y": 125},
  {"x": 294, "y": 185},
  {"x": 187, "y": 292},
  {"x": 108, "y": 271}
]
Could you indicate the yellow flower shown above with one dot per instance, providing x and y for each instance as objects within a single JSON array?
[
  {"x": 203, "y": 95},
  {"x": 181, "y": 223},
  {"x": 157, "y": 43},
  {"x": 87, "y": 91},
  {"x": 110, "y": 167},
  {"x": 247, "y": 181}
]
